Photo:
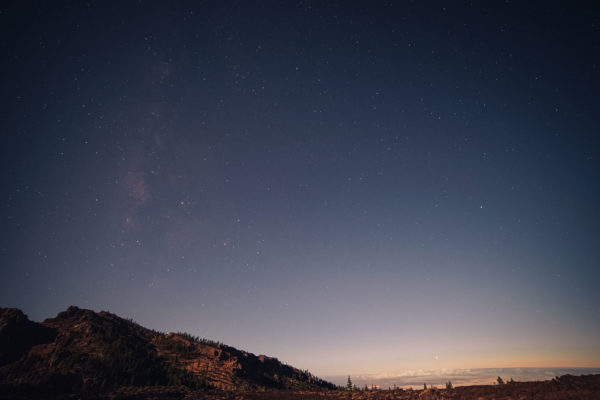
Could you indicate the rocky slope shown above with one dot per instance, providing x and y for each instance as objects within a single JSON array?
[{"x": 81, "y": 350}]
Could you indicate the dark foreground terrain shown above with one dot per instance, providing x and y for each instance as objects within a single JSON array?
[
  {"x": 81, "y": 354},
  {"x": 585, "y": 387}
]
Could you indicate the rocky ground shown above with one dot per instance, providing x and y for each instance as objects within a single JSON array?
[{"x": 585, "y": 387}]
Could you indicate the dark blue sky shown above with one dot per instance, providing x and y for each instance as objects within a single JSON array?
[{"x": 353, "y": 188}]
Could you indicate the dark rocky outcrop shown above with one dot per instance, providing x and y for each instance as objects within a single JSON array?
[
  {"x": 81, "y": 351},
  {"x": 18, "y": 334}
]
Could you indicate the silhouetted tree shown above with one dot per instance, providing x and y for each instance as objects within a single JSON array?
[
  {"x": 449, "y": 385},
  {"x": 500, "y": 381},
  {"x": 349, "y": 384}
]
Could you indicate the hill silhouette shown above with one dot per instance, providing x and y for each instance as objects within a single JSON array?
[{"x": 81, "y": 350}]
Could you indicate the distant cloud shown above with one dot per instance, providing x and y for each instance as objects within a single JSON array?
[{"x": 459, "y": 377}]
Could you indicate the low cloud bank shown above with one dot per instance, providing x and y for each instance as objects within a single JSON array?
[{"x": 458, "y": 377}]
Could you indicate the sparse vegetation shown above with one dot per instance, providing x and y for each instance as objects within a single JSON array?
[
  {"x": 126, "y": 361},
  {"x": 173, "y": 345},
  {"x": 196, "y": 339}
]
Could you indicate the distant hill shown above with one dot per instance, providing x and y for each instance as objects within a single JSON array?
[{"x": 84, "y": 350}]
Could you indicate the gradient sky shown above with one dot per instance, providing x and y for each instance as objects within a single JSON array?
[{"x": 352, "y": 187}]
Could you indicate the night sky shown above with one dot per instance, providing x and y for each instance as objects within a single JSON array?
[{"x": 352, "y": 187}]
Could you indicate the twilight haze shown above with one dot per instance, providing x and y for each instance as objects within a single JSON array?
[{"x": 352, "y": 187}]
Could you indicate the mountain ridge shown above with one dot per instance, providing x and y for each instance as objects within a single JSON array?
[{"x": 81, "y": 349}]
